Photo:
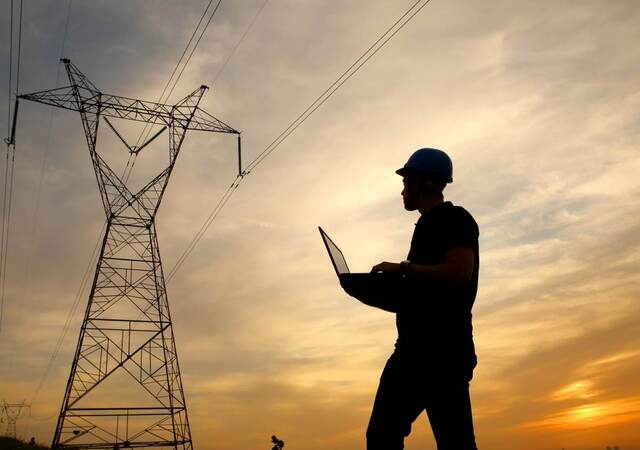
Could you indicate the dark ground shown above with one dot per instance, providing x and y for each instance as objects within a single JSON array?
[{"x": 7, "y": 443}]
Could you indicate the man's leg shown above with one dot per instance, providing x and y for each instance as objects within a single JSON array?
[
  {"x": 396, "y": 406},
  {"x": 449, "y": 411}
]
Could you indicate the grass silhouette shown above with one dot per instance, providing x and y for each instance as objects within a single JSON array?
[{"x": 7, "y": 443}]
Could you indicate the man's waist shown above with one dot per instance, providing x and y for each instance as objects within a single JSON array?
[
  {"x": 437, "y": 360},
  {"x": 436, "y": 336},
  {"x": 435, "y": 320}
]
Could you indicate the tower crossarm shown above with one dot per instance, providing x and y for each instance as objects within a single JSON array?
[
  {"x": 133, "y": 109},
  {"x": 62, "y": 97},
  {"x": 203, "y": 121},
  {"x": 129, "y": 108}
]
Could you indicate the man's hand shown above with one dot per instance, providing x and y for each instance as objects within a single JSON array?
[{"x": 387, "y": 267}]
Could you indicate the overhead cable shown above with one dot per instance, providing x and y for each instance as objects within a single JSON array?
[
  {"x": 43, "y": 166},
  {"x": 343, "y": 78},
  {"x": 193, "y": 49},
  {"x": 9, "y": 91},
  {"x": 235, "y": 47},
  {"x": 6, "y": 167},
  {"x": 6, "y": 222},
  {"x": 212, "y": 216},
  {"x": 145, "y": 133},
  {"x": 9, "y": 160},
  {"x": 76, "y": 302},
  {"x": 19, "y": 50}
]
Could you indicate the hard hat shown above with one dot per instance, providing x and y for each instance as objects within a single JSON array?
[{"x": 429, "y": 161}]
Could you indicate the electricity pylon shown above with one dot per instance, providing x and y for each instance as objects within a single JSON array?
[
  {"x": 126, "y": 335},
  {"x": 12, "y": 412}
]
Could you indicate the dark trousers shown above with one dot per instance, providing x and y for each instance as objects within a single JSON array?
[{"x": 405, "y": 391}]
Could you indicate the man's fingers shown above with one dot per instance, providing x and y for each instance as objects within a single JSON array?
[{"x": 380, "y": 267}]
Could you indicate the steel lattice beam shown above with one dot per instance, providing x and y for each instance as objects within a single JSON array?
[{"x": 127, "y": 329}]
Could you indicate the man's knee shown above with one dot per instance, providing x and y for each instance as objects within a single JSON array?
[
  {"x": 381, "y": 440},
  {"x": 387, "y": 434}
]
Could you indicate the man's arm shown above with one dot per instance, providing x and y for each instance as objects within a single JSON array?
[{"x": 457, "y": 268}]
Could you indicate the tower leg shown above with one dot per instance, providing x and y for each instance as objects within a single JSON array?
[{"x": 125, "y": 387}]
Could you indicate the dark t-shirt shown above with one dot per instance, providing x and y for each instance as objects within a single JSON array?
[{"x": 434, "y": 319}]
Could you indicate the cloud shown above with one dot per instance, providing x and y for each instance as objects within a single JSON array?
[{"x": 538, "y": 106}]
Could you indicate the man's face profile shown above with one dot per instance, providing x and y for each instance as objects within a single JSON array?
[{"x": 410, "y": 193}]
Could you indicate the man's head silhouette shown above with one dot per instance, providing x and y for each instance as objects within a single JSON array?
[{"x": 424, "y": 176}]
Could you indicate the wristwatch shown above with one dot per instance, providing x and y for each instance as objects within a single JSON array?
[{"x": 404, "y": 265}]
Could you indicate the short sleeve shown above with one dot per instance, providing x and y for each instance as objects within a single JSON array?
[{"x": 460, "y": 229}]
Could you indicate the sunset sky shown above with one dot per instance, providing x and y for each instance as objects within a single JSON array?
[{"x": 538, "y": 104}]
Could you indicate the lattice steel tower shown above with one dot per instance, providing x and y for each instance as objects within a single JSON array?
[
  {"x": 12, "y": 413},
  {"x": 125, "y": 389}
]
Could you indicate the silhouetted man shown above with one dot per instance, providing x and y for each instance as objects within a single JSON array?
[{"x": 432, "y": 297}]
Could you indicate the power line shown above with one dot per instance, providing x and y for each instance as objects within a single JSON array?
[
  {"x": 6, "y": 167},
  {"x": 6, "y": 222},
  {"x": 246, "y": 31},
  {"x": 194, "y": 48},
  {"x": 9, "y": 161},
  {"x": 184, "y": 66},
  {"x": 212, "y": 216},
  {"x": 9, "y": 93},
  {"x": 343, "y": 78},
  {"x": 70, "y": 314},
  {"x": 19, "y": 50},
  {"x": 319, "y": 101},
  {"x": 184, "y": 52},
  {"x": 230, "y": 190},
  {"x": 43, "y": 166},
  {"x": 162, "y": 98}
]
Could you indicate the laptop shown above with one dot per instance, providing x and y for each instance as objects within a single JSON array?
[
  {"x": 379, "y": 289},
  {"x": 342, "y": 269}
]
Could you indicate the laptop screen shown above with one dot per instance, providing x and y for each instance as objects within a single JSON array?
[{"x": 339, "y": 263}]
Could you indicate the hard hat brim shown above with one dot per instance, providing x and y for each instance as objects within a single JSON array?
[{"x": 404, "y": 171}]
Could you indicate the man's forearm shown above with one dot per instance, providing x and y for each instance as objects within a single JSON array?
[
  {"x": 445, "y": 273},
  {"x": 457, "y": 268}
]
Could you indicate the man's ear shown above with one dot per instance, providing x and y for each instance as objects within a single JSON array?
[{"x": 430, "y": 186}]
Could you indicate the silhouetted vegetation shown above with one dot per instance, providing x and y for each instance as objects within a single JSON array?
[
  {"x": 277, "y": 443},
  {"x": 7, "y": 443}
]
